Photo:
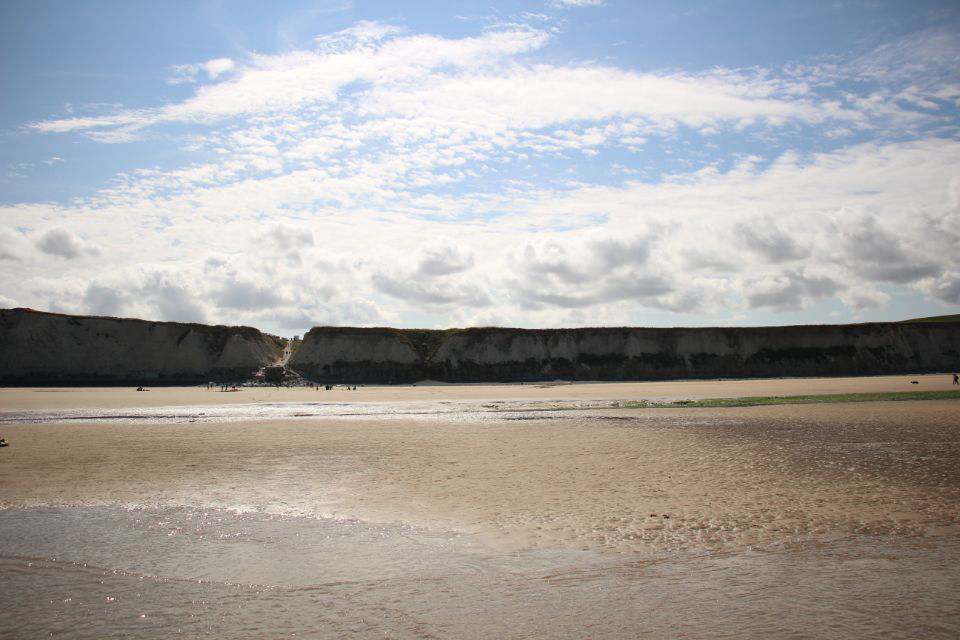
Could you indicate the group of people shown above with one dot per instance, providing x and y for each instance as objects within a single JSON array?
[
  {"x": 329, "y": 387},
  {"x": 223, "y": 386}
]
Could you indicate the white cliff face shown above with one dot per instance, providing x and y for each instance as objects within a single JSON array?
[
  {"x": 344, "y": 345},
  {"x": 240, "y": 351},
  {"x": 470, "y": 355},
  {"x": 51, "y": 348},
  {"x": 41, "y": 347},
  {"x": 924, "y": 343},
  {"x": 356, "y": 355}
]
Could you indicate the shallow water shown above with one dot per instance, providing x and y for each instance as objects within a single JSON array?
[
  {"x": 293, "y": 410},
  {"x": 87, "y": 572},
  {"x": 813, "y": 522}
]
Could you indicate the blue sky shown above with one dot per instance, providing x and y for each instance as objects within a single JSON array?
[{"x": 536, "y": 164}]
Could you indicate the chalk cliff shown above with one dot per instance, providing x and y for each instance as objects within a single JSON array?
[
  {"x": 50, "y": 348},
  {"x": 341, "y": 354}
]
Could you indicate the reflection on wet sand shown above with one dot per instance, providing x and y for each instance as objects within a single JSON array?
[
  {"x": 805, "y": 520},
  {"x": 622, "y": 480}
]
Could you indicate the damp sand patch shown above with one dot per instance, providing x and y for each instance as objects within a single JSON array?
[
  {"x": 716, "y": 403},
  {"x": 757, "y": 401}
]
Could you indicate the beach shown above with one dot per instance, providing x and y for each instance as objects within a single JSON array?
[
  {"x": 536, "y": 510},
  {"x": 26, "y": 398}
]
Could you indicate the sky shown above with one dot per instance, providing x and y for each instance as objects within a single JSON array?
[{"x": 542, "y": 163}]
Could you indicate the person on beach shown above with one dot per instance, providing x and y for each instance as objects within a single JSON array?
[
  {"x": 956, "y": 379},
  {"x": 3, "y": 442}
]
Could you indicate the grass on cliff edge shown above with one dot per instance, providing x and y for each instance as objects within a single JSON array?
[
  {"x": 934, "y": 319},
  {"x": 756, "y": 401}
]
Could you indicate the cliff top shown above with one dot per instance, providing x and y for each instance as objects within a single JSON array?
[
  {"x": 242, "y": 329},
  {"x": 953, "y": 318},
  {"x": 394, "y": 331}
]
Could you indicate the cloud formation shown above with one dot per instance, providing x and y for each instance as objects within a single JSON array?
[
  {"x": 62, "y": 243},
  {"x": 384, "y": 176},
  {"x": 212, "y": 69},
  {"x": 419, "y": 86},
  {"x": 577, "y": 3}
]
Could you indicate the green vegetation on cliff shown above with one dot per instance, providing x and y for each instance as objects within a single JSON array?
[
  {"x": 953, "y": 318},
  {"x": 426, "y": 341}
]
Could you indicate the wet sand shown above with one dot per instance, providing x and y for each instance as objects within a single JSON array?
[
  {"x": 630, "y": 481},
  {"x": 454, "y": 511}
]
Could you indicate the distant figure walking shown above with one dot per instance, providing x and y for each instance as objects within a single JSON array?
[{"x": 956, "y": 378}]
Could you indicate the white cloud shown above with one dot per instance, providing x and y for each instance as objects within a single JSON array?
[
  {"x": 789, "y": 291},
  {"x": 60, "y": 242},
  {"x": 945, "y": 287},
  {"x": 217, "y": 67},
  {"x": 443, "y": 259},
  {"x": 769, "y": 240},
  {"x": 777, "y": 237},
  {"x": 479, "y": 91},
  {"x": 864, "y": 297},
  {"x": 285, "y": 242},
  {"x": 576, "y": 3},
  {"x": 287, "y": 82},
  {"x": 176, "y": 303},
  {"x": 438, "y": 295},
  {"x": 246, "y": 296},
  {"x": 286, "y": 238},
  {"x": 12, "y": 245},
  {"x": 212, "y": 69},
  {"x": 389, "y": 175},
  {"x": 104, "y": 301},
  {"x": 365, "y": 32}
]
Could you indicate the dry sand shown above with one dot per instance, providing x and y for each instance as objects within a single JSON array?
[
  {"x": 13, "y": 399},
  {"x": 611, "y": 480}
]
